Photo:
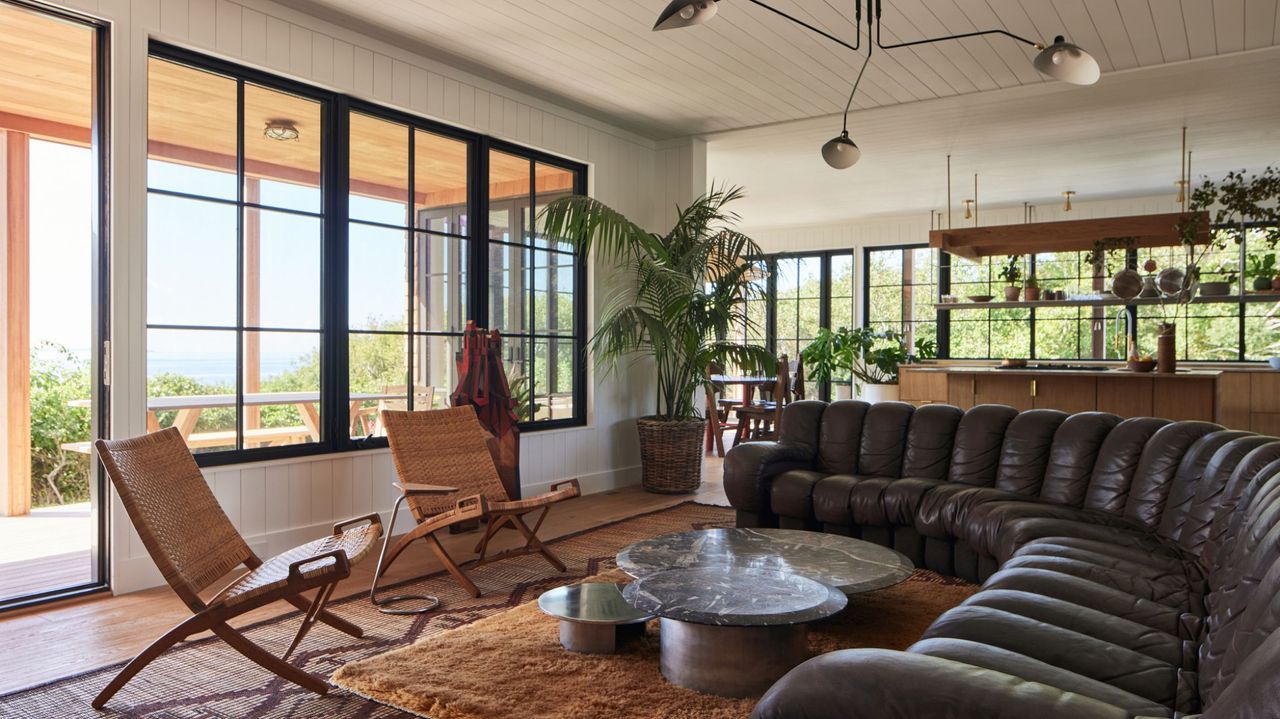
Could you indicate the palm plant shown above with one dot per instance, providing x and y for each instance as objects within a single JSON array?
[{"x": 692, "y": 286}]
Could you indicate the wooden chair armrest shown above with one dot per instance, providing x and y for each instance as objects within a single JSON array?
[
  {"x": 568, "y": 483},
  {"x": 473, "y": 506},
  {"x": 338, "y": 555},
  {"x": 412, "y": 488},
  {"x": 372, "y": 518}
]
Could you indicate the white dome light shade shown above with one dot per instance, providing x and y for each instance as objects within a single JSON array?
[
  {"x": 1068, "y": 62},
  {"x": 683, "y": 13},
  {"x": 840, "y": 152}
]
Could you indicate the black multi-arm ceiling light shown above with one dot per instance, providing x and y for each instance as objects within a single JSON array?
[{"x": 1062, "y": 60}]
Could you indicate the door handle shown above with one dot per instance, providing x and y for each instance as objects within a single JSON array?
[{"x": 1033, "y": 388}]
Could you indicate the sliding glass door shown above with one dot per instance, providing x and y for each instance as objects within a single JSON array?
[{"x": 51, "y": 304}]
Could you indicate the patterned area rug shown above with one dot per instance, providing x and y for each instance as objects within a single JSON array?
[{"x": 205, "y": 679}]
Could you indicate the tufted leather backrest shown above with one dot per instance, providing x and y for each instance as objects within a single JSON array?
[
  {"x": 1025, "y": 452},
  {"x": 1073, "y": 456},
  {"x": 930, "y": 438},
  {"x": 1160, "y": 461},
  {"x": 1238, "y": 491},
  {"x": 1118, "y": 462},
  {"x": 840, "y": 436},
  {"x": 884, "y": 439},
  {"x": 975, "y": 456},
  {"x": 1209, "y": 463}
]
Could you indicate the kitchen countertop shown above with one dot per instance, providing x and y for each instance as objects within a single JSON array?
[{"x": 1117, "y": 371}]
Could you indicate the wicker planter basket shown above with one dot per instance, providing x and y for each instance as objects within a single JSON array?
[{"x": 670, "y": 455}]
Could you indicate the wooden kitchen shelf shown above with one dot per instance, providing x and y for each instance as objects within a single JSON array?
[
  {"x": 1109, "y": 302},
  {"x": 1063, "y": 235}
]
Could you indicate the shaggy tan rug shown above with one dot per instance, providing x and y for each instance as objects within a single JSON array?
[{"x": 512, "y": 665}]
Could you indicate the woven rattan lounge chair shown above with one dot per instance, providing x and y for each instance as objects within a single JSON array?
[
  {"x": 452, "y": 447},
  {"x": 194, "y": 544}
]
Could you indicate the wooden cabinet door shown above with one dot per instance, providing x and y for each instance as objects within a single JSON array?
[
  {"x": 1066, "y": 393},
  {"x": 960, "y": 390},
  {"x": 1008, "y": 389},
  {"x": 1183, "y": 398},
  {"x": 1127, "y": 396},
  {"x": 922, "y": 386}
]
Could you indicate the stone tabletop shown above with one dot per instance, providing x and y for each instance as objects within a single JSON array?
[
  {"x": 591, "y": 603},
  {"x": 850, "y": 565},
  {"x": 729, "y": 596}
]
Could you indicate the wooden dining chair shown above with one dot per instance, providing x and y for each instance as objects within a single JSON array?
[
  {"x": 194, "y": 544},
  {"x": 761, "y": 419},
  {"x": 719, "y": 418},
  {"x": 451, "y": 447}
]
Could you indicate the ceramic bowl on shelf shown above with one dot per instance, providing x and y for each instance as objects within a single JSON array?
[
  {"x": 1275, "y": 363},
  {"x": 980, "y": 298},
  {"x": 1141, "y": 365}
]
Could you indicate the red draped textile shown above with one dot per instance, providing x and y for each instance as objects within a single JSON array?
[{"x": 482, "y": 383}]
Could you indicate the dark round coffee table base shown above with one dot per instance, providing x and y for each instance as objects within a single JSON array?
[
  {"x": 587, "y": 638},
  {"x": 730, "y": 661}
]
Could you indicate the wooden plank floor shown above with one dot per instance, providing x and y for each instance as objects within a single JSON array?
[{"x": 41, "y": 644}]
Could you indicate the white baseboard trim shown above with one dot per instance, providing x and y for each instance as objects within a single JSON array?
[{"x": 130, "y": 574}]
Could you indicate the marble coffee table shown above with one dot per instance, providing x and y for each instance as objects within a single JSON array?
[
  {"x": 850, "y": 565},
  {"x": 732, "y": 631},
  {"x": 593, "y": 616}
]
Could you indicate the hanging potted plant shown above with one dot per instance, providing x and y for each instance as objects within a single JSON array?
[
  {"x": 1011, "y": 272},
  {"x": 689, "y": 288},
  {"x": 875, "y": 357}
]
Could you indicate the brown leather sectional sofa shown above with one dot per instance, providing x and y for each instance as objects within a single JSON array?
[{"x": 1129, "y": 567}]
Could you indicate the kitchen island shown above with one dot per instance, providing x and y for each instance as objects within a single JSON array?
[{"x": 1246, "y": 397}]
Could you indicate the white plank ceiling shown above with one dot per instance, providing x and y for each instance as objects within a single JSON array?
[
  {"x": 749, "y": 67},
  {"x": 1119, "y": 138}
]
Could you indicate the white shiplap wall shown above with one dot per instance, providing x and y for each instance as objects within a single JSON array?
[
  {"x": 278, "y": 504},
  {"x": 908, "y": 229}
]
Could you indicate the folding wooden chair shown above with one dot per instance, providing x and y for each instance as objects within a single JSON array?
[
  {"x": 193, "y": 543},
  {"x": 450, "y": 445}
]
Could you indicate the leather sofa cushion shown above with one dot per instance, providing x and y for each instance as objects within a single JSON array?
[
  {"x": 1160, "y": 460},
  {"x": 1118, "y": 462},
  {"x": 1022, "y": 530},
  {"x": 1170, "y": 589},
  {"x": 930, "y": 437},
  {"x": 1156, "y": 644},
  {"x": 1024, "y": 454},
  {"x": 1073, "y": 456},
  {"x": 884, "y": 439},
  {"x": 791, "y": 493},
  {"x": 1080, "y": 547},
  {"x": 831, "y": 499},
  {"x": 945, "y": 508},
  {"x": 975, "y": 455},
  {"x": 1081, "y": 654},
  {"x": 840, "y": 435},
  {"x": 1085, "y": 593},
  {"x": 985, "y": 524},
  {"x": 1024, "y": 667}
]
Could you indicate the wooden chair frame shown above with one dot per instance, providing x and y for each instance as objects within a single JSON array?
[
  {"x": 306, "y": 573},
  {"x": 482, "y": 497}
]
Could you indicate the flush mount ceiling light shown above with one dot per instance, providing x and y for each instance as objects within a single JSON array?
[
  {"x": 1062, "y": 60},
  {"x": 282, "y": 130}
]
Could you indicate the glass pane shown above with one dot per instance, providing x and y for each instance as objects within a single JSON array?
[
  {"x": 885, "y": 268},
  {"x": 440, "y": 181},
  {"x": 551, "y": 183},
  {"x": 841, "y": 312},
  {"x": 508, "y": 176},
  {"x": 809, "y": 271},
  {"x": 504, "y": 224},
  {"x": 282, "y": 141},
  {"x": 379, "y": 167},
  {"x": 378, "y": 368},
  {"x": 969, "y": 337},
  {"x": 553, "y": 378},
  {"x": 191, "y": 130},
  {"x": 435, "y": 371},
  {"x": 282, "y": 388},
  {"x": 191, "y": 262},
  {"x": 516, "y": 358},
  {"x": 787, "y": 278},
  {"x": 886, "y": 306},
  {"x": 281, "y": 270},
  {"x": 807, "y": 327},
  {"x": 377, "y": 266},
  {"x": 842, "y": 276},
  {"x": 191, "y": 381},
  {"x": 787, "y": 320},
  {"x": 507, "y": 288},
  {"x": 440, "y": 284}
]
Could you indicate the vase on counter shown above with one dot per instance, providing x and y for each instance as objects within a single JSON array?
[{"x": 1167, "y": 348}]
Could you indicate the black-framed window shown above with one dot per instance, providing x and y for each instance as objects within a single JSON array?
[
  {"x": 312, "y": 260},
  {"x": 900, "y": 289}
]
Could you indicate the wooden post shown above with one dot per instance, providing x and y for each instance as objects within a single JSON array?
[
  {"x": 252, "y": 300},
  {"x": 15, "y": 482}
]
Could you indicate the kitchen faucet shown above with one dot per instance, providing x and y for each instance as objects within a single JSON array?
[{"x": 1123, "y": 348}]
